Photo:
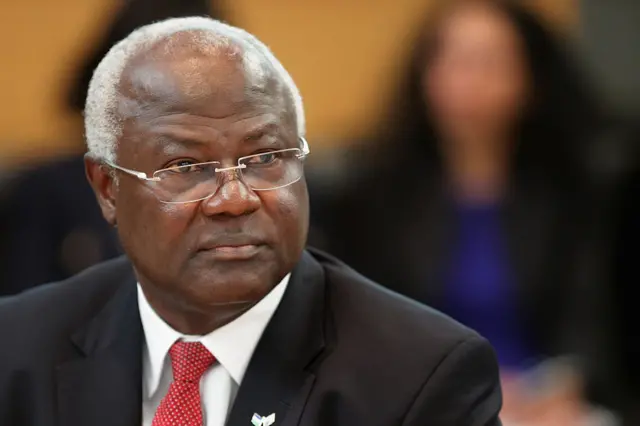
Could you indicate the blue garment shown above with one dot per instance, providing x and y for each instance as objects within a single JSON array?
[{"x": 480, "y": 290}]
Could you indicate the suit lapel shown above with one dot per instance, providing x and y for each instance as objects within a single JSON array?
[
  {"x": 103, "y": 386},
  {"x": 280, "y": 377}
]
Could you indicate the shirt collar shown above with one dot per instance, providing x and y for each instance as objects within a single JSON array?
[{"x": 232, "y": 344}]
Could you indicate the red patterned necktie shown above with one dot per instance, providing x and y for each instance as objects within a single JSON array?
[{"x": 181, "y": 406}]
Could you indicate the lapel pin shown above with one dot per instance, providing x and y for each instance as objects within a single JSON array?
[{"x": 258, "y": 420}]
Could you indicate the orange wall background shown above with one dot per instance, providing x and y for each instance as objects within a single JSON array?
[{"x": 344, "y": 55}]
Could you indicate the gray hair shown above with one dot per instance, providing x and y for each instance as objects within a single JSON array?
[{"x": 102, "y": 118}]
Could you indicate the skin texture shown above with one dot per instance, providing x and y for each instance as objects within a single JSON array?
[{"x": 184, "y": 103}]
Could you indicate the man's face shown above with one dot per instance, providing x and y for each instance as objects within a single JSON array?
[{"x": 235, "y": 246}]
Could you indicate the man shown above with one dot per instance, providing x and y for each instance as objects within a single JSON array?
[{"x": 217, "y": 315}]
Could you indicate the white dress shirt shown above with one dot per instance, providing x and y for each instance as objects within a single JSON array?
[{"x": 232, "y": 345}]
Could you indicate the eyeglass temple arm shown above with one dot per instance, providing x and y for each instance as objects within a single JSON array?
[
  {"x": 139, "y": 175},
  {"x": 304, "y": 146}
]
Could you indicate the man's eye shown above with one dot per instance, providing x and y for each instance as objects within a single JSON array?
[
  {"x": 263, "y": 159},
  {"x": 183, "y": 166}
]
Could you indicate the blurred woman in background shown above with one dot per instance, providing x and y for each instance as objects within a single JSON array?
[{"x": 473, "y": 199}]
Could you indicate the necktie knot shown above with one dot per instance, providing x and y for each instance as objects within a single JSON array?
[{"x": 189, "y": 361}]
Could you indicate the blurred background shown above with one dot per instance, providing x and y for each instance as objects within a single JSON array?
[{"x": 478, "y": 156}]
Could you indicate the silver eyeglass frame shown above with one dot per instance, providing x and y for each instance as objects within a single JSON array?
[{"x": 143, "y": 176}]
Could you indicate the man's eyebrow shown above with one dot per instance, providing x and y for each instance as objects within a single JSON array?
[
  {"x": 268, "y": 128},
  {"x": 166, "y": 135},
  {"x": 168, "y": 144}
]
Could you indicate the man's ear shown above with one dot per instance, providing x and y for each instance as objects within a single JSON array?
[{"x": 102, "y": 181}]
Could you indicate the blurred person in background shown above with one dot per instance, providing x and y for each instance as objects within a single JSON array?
[
  {"x": 51, "y": 226},
  {"x": 475, "y": 190}
]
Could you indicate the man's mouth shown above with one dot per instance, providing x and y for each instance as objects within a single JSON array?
[
  {"x": 232, "y": 248},
  {"x": 241, "y": 252}
]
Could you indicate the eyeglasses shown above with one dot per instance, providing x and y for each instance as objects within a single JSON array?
[{"x": 194, "y": 182}]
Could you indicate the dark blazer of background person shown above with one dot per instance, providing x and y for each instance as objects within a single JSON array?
[
  {"x": 339, "y": 350},
  {"x": 51, "y": 226},
  {"x": 625, "y": 277},
  {"x": 391, "y": 218}
]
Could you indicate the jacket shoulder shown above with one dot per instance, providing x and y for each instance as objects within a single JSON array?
[
  {"x": 355, "y": 297},
  {"x": 388, "y": 341},
  {"x": 394, "y": 333},
  {"x": 48, "y": 310}
]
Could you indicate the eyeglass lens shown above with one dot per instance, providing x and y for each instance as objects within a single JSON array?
[{"x": 261, "y": 172}]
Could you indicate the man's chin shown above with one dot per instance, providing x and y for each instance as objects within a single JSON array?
[{"x": 231, "y": 287}]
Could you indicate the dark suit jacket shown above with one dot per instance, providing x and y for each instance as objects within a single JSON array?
[{"x": 339, "y": 351}]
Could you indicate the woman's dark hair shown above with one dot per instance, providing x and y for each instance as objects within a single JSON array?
[{"x": 552, "y": 131}]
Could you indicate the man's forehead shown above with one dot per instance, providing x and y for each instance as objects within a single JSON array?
[
  {"x": 182, "y": 71},
  {"x": 170, "y": 68}
]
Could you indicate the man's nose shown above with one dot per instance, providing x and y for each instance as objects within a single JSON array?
[{"x": 233, "y": 197}]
